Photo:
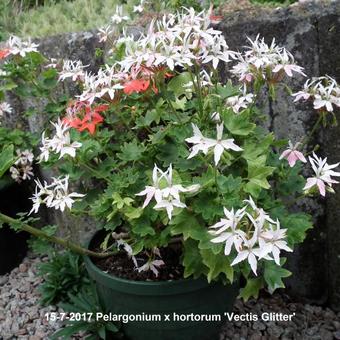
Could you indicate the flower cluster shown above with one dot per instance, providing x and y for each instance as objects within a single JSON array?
[
  {"x": 16, "y": 46},
  {"x": 5, "y": 108},
  {"x": 151, "y": 264},
  {"x": 59, "y": 143},
  {"x": 139, "y": 8},
  {"x": 22, "y": 168},
  {"x": 166, "y": 194},
  {"x": 181, "y": 40},
  {"x": 72, "y": 69},
  {"x": 104, "y": 33},
  {"x": 82, "y": 116},
  {"x": 323, "y": 172},
  {"x": 236, "y": 103},
  {"x": 105, "y": 83},
  {"x": 267, "y": 62},
  {"x": 118, "y": 17},
  {"x": 203, "y": 144},
  {"x": 54, "y": 195},
  {"x": 323, "y": 91},
  {"x": 254, "y": 235}
]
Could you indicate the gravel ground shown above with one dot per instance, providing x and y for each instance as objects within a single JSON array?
[
  {"x": 308, "y": 322},
  {"x": 21, "y": 316}
]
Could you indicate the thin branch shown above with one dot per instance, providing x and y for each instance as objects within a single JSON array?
[{"x": 58, "y": 240}]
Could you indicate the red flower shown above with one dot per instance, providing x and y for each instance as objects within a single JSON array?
[
  {"x": 73, "y": 122},
  {"x": 91, "y": 116},
  {"x": 90, "y": 121},
  {"x": 4, "y": 53},
  {"x": 136, "y": 85}
]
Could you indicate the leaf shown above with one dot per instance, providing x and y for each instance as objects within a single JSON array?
[
  {"x": 257, "y": 176},
  {"x": 251, "y": 289},
  {"x": 7, "y": 159},
  {"x": 297, "y": 226},
  {"x": 132, "y": 213},
  {"x": 49, "y": 79},
  {"x": 292, "y": 182},
  {"x": 273, "y": 275},
  {"x": 176, "y": 84},
  {"x": 192, "y": 260},
  {"x": 142, "y": 227},
  {"x": 8, "y": 86},
  {"x": 227, "y": 90},
  {"x": 206, "y": 204},
  {"x": 150, "y": 117},
  {"x": 254, "y": 148},
  {"x": 228, "y": 184},
  {"x": 102, "y": 332},
  {"x": 207, "y": 179},
  {"x": 187, "y": 225},
  {"x": 111, "y": 327},
  {"x": 40, "y": 245},
  {"x": 179, "y": 104},
  {"x": 68, "y": 331},
  {"x": 131, "y": 151},
  {"x": 238, "y": 124},
  {"x": 217, "y": 264}
]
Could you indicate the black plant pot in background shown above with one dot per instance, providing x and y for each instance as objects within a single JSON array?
[{"x": 13, "y": 245}]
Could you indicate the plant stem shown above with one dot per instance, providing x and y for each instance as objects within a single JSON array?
[
  {"x": 199, "y": 94},
  {"x": 173, "y": 110},
  {"x": 197, "y": 90},
  {"x": 58, "y": 240},
  {"x": 95, "y": 172},
  {"x": 307, "y": 138}
]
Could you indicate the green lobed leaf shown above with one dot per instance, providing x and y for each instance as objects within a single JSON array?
[
  {"x": 142, "y": 227},
  {"x": 254, "y": 148},
  {"x": 8, "y": 86},
  {"x": 207, "y": 204},
  {"x": 227, "y": 90},
  {"x": 297, "y": 226},
  {"x": 217, "y": 264},
  {"x": 238, "y": 124},
  {"x": 251, "y": 289},
  {"x": 7, "y": 159},
  {"x": 192, "y": 260},
  {"x": 131, "y": 151},
  {"x": 257, "y": 176},
  {"x": 227, "y": 185},
  {"x": 176, "y": 84},
  {"x": 273, "y": 275},
  {"x": 186, "y": 224}
]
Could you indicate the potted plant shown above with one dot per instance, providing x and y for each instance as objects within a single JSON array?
[{"x": 190, "y": 192}]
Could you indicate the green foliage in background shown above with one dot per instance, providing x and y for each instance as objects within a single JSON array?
[
  {"x": 86, "y": 303},
  {"x": 39, "y": 18},
  {"x": 54, "y": 17},
  {"x": 63, "y": 274}
]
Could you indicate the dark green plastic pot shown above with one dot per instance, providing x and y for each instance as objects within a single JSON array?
[{"x": 182, "y": 297}]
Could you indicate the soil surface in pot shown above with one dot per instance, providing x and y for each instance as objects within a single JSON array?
[{"x": 120, "y": 265}]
